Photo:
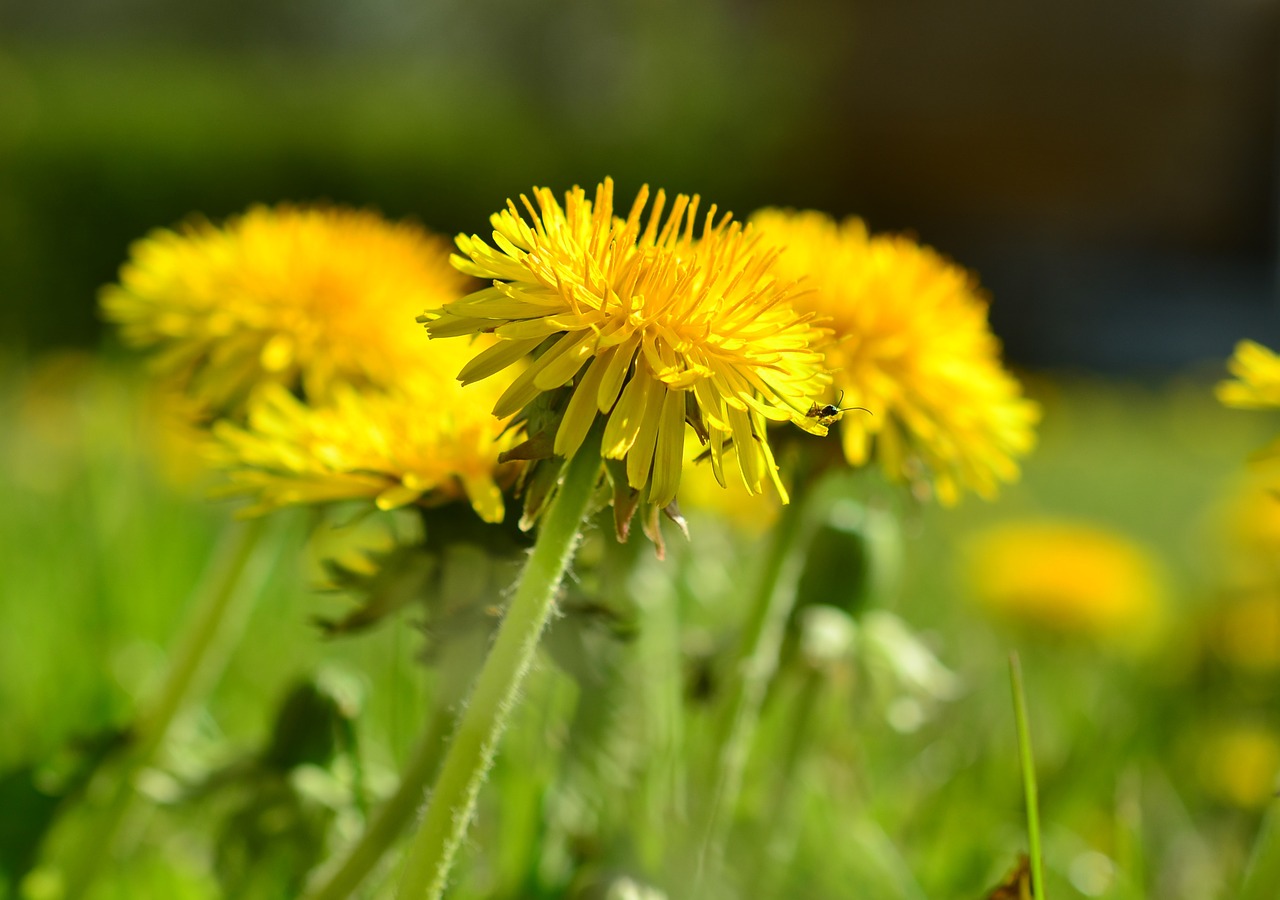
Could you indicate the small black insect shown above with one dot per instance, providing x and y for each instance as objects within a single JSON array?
[{"x": 830, "y": 413}]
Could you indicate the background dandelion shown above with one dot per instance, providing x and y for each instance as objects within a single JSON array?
[
  {"x": 307, "y": 298},
  {"x": 429, "y": 442},
  {"x": 1068, "y": 579},
  {"x": 911, "y": 343}
]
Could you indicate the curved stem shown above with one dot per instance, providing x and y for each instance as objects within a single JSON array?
[
  {"x": 472, "y": 749},
  {"x": 757, "y": 661},
  {"x": 235, "y": 577},
  {"x": 391, "y": 818}
]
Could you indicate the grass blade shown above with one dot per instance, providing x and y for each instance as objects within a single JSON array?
[{"x": 1028, "y": 776}]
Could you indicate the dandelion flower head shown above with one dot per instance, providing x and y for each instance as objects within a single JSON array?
[
  {"x": 1245, "y": 520},
  {"x": 428, "y": 441},
  {"x": 1238, "y": 763},
  {"x": 1244, "y": 631},
  {"x": 650, "y": 325},
  {"x": 913, "y": 346},
  {"x": 1256, "y": 383},
  {"x": 302, "y": 297},
  {"x": 1067, "y": 578}
]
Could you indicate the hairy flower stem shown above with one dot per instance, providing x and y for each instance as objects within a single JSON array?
[
  {"x": 757, "y": 660},
  {"x": 235, "y": 577},
  {"x": 396, "y": 812},
  {"x": 470, "y": 754}
]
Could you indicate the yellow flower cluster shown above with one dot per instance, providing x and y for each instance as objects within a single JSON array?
[
  {"x": 652, "y": 327},
  {"x": 292, "y": 324},
  {"x": 912, "y": 345},
  {"x": 297, "y": 326},
  {"x": 304, "y": 297}
]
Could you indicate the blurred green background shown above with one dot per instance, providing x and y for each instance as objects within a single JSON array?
[
  {"x": 1111, "y": 172},
  {"x": 1109, "y": 169}
]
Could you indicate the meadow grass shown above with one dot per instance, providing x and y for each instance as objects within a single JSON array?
[{"x": 868, "y": 777}]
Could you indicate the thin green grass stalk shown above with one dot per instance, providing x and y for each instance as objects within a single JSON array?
[
  {"x": 1262, "y": 873},
  {"x": 471, "y": 751},
  {"x": 789, "y": 789},
  {"x": 756, "y": 662},
  {"x": 392, "y": 817},
  {"x": 1028, "y": 776},
  {"x": 1128, "y": 840},
  {"x": 663, "y": 788},
  {"x": 234, "y": 579}
]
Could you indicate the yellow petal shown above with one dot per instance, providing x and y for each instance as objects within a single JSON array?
[
  {"x": 640, "y": 456},
  {"x": 669, "y": 458}
]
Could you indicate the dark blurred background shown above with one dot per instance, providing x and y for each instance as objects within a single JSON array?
[{"x": 1110, "y": 169}]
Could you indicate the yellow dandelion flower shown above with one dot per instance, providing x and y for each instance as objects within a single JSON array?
[
  {"x": 652, "y": 326},
  {"x": 1067, "y": 578},
  {"x": 1238, "y": 764},
  {"x": 1244, "y": 523},
  {"x": 1257, "y": 373},
  {"x": 913, "y": 346},
  {"x": 1251, "y": 514},
  {"x": 429, "y": 441},
  {"x": 302, "y": 297},
  {"x": 1245, "y": 631}
]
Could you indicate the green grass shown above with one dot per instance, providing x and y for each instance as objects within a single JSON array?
[{"x": 861, "y": 782}]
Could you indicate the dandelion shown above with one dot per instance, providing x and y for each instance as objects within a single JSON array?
[
  {"x": 1250, "y": 514},
  {"x": 430, "y": 442},
  {"x": 1067, "y": 578},
  {"x": 301, "y": 297},
  {"x": 912, "y": 345},
  {"x": 1245, "y": 631},
  {"x": 1257, "y": 378},
  {"x": 1238, "y": 764},
  {"x": 648, "y": 325},
  {"x": 1243, "y": 628}
]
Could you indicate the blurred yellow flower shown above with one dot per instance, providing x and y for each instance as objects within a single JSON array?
[
  {"x": 1067, "y": 578},
  {"x": 1238, "y": 765},
  {"x": 1244, "y": 627},
  {"x": 301, "y": 297},
  {"x": 749, "y": 513},
  {"x": 430, "y": 441},
  {"x": 1245, "y": 523},
  {"x": 1246, "y": 631},
  {"x": 651, "y": 326},
  {"x": 913, "y": 346},
  {"x": 1257, "y": 378},
  {"x": 1251, "y": 513}
]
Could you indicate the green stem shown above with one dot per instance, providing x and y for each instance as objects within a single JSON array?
[
  {"x": 757, "y": 660},
  {"x": 235, "y": 577},
  {"x": 391, "y": 818},
  {"x": 472, "y": 749},
  {"x": 789, "y": 789},
  {"x": 1028, "y": 776},
  {"x": 1128, "y": 840},
  {"x": 1262, "y": 872}
]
